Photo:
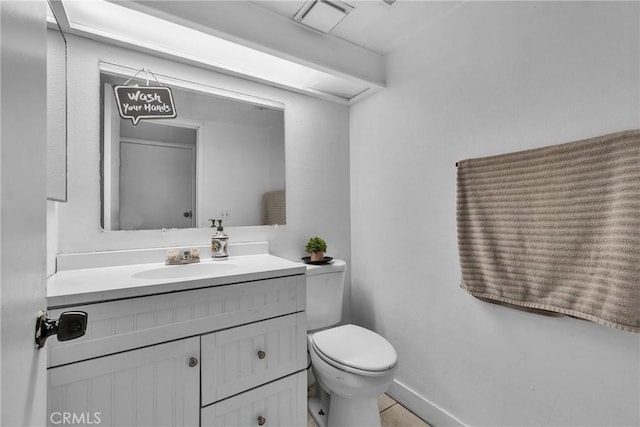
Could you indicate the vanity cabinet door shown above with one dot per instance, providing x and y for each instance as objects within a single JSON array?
[
  {"x": 151, "y": 386},
  {"x": 237, "y": 359},
  {"x": 282, "y": 403}
]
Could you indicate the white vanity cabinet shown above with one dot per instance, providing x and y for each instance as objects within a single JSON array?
[
  {"x": 151, "y": 386},
  {"x": 229, "y": 354}
]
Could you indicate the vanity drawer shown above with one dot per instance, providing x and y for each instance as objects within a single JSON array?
[
  {"x": 127, "y": 324},
  {"x": 281, "y": 403},
  {"x": 244, "y": 357}
]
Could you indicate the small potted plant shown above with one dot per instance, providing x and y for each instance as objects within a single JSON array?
[{"x": 316, "y": 247}]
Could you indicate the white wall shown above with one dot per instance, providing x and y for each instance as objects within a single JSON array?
[
  {"x": 237, "y": 183},
  {"x": 488, "y": 78},
  {"x": 316, "y": 150}
]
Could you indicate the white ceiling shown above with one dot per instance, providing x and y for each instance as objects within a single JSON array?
[
  {"x": 373, "y": 24},
  {"x": 345, "y": 65}
]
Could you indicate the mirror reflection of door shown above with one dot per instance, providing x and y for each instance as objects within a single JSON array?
[{"x": 157, "y": 184}]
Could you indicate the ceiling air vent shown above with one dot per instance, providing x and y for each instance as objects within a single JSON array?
[{"x": 322, "y": 15}]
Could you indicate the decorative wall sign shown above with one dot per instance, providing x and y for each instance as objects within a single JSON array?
[{"x": 145, "y": 102}]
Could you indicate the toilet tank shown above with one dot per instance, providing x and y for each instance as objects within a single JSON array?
[{"x": 325, "y": 286}]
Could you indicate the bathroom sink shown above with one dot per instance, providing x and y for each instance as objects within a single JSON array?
[{"x": 184, "y": 271}]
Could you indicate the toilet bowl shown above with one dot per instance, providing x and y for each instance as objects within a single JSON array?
[{"x": 352, "y": 365}]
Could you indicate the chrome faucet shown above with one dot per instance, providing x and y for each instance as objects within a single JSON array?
[{"x": 182, "y": 256}]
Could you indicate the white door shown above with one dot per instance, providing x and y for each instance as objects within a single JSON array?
[
  {"x": 152, "y": 386},
  {"x": 23, "y": 211},
  {"x": 157, "y": 185}
]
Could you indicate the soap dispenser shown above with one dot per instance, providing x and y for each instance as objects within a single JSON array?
[{"x": 219, "y": 242}]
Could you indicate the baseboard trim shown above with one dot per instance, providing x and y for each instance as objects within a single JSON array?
[{"x": 428, "y": 411}]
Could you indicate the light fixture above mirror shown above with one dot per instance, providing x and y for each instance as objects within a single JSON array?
[{"x": 121, "y": 23}]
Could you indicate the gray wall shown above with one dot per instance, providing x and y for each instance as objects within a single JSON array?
[{"x": 489, "y": 78}]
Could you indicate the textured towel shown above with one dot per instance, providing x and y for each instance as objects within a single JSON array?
[
  {"x": 274, "y": 208},
  {"x": 556, "y": 229}
]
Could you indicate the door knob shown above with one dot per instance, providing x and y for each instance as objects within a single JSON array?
[
  {"x": 261, "y": 420},
  {"x": 262, "y": 354},
  {"x": 188, "y": 214},
  {"x": 193, "y": 362},
  {"x": 69, "y": 326}
]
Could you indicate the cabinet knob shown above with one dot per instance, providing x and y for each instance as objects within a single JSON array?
[
  {"x": 261, "y": 355},
  {"x": 261, "y": 420},
  {"x": 193, "y": 362}
]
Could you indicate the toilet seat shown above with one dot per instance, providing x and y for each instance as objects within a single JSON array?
[{"x": 355, "y": 349}]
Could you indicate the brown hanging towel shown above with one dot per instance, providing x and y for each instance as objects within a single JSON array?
[{"x": 555, "y": 229}]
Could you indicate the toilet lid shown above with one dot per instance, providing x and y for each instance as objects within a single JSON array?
[{"x": 356, "y": 347}]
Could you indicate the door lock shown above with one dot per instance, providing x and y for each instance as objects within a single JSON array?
[{"x": 70, "y": 325}]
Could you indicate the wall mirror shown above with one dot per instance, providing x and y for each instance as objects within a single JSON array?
[
  {"x": 56, "y": 109},
  {"x": 220, "y": 158}
]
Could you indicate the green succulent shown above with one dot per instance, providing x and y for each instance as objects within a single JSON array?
[{"x": 315, "y": 244}]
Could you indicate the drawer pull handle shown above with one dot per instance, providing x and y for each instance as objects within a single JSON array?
[
  {"x": 261, "y": 420},
  {"x": 261, "y": 355},
  {"x": 193, "y": 362}
]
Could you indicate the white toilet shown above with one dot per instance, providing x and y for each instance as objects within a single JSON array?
[{"x": 352, "y": 365}]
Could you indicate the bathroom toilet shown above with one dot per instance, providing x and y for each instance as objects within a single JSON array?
[{"x": 352, "y": 365}]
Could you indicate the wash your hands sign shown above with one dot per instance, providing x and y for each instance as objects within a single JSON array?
[{"x": 145, "y": 102}]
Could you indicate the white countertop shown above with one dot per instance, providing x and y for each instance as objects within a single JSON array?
[{"x": 91, "y": 285}]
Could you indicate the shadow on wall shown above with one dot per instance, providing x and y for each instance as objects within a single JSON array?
[{"x": 363, "y": 307}]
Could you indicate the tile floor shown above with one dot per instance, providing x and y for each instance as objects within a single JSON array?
[{"x": 392, "y": 414}]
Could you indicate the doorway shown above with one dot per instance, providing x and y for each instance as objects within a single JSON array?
[{"x": 157, "y": 184}]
